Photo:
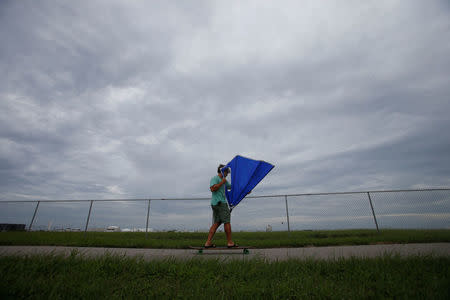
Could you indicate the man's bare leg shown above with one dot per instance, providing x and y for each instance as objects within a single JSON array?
[
  {"x": 227, "y": 227},
  {"x": 212, "y": 231}
]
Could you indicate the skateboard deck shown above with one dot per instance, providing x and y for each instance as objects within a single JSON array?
[{"x": 201, "y": 249}]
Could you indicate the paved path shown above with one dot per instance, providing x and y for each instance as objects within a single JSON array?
[{"x": 439, "y": 249}]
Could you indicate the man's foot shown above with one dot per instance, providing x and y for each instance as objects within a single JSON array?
[
  {"x": 234, "y": 245},
  {"x": 210, "y": 246}
]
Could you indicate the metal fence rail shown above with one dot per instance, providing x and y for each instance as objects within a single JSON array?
[{"x": 386, "y": 208}]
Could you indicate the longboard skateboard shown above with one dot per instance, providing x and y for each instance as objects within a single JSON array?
[{"x": 201, "y": 249}]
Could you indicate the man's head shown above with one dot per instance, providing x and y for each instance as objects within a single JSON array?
[{"x": 225, "y": 172}]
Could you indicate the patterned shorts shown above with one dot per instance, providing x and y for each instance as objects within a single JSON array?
[{"x": 221, "y": 213}]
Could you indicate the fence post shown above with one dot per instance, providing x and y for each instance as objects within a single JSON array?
[
  {"x": 146, "y": 224},
  {"x": 34, "y": 215},
  {"x": 373, "y": 211},
  {"x": 287, "y": 213},
  {"x": 89, "y": 215}
]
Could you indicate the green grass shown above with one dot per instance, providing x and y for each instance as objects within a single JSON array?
[
  {"x": 254, "y": 239},
  {"x": 113, "y": 277}
]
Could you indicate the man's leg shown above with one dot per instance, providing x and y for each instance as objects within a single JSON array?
[
  {"x": 212, "y": 231},
  {"x": 227, "y": 227}
]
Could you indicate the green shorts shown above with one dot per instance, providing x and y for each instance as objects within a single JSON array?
[{"x": 221, "y": 213}]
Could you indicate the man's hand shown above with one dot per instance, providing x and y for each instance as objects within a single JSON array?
[{"x": 218, "y": 185}]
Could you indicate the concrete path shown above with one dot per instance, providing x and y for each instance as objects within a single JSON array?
[{"x": 437, "y": 249}]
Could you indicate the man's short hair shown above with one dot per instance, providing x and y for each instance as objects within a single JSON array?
[{"x": 220, "y": 167}]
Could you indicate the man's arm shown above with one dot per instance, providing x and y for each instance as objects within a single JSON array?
[{"x": 217, "y": 186}]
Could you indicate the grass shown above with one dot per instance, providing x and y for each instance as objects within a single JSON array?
[
  {"x": 254, "y": 239},
  {"x": 115, "y": 277}
]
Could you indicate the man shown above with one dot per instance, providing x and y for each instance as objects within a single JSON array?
[{"x": 221, "y": 212}]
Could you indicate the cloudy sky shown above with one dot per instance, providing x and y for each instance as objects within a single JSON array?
[{"x": 132, "y": 99}]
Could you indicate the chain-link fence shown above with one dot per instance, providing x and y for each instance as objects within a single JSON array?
[{"x": 423, "y": 209}]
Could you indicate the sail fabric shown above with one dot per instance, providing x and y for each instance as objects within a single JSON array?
[{"x": 246, "y": 173}]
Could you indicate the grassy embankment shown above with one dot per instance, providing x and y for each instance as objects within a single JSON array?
[
  {"x": 111, "y": 277},
  {"x": 254, "y": 239}
]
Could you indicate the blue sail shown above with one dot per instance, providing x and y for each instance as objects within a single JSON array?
[{"x": 246, "y": 173}]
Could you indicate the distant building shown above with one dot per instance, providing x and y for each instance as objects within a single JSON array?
[
  {"x": 12, "y": 227},
  {"x": 136, "y": 229},
  {"x": 113, "y": 229}
]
